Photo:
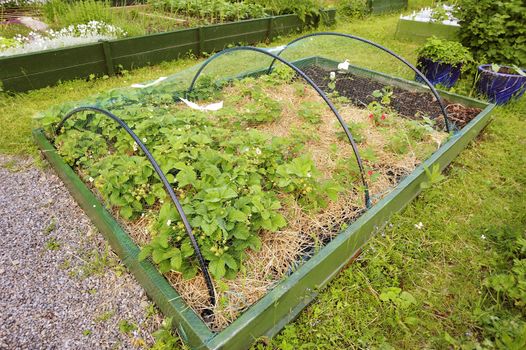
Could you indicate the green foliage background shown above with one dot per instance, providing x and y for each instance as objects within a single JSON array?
[{"x": 495, "y": 31}]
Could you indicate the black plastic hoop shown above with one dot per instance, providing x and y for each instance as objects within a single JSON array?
[
  {"x": 167, "y": 186},
  {"x": 422, "y": 76},
  {"x": 311, "y": 83}
]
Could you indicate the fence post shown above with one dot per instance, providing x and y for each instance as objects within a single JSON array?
[
  {"x": 201, "y": 40},
  {"x": 107, "y": 57},
  {"x": 270, "y": 27}
]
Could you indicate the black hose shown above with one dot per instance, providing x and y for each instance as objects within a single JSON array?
[
  {"x": 167, "y": 186},
  {"x": 311, "y": 83},
  {"x": 422, "y": 76}
]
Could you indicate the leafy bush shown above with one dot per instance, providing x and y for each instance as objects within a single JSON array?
[
  {"x": 494, "y": 31},
  {"x": 302, "y": 8},
  {"x": 353, "y": 8},
  {"x": 450, "y": 52},
  {"x": 211, "y": 10}
]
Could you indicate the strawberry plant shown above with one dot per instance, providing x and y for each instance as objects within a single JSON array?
[
  {"x": 127, "y": 183},
  {"x": 311, "y": 112},
  {"x": 379, "y": 110}
]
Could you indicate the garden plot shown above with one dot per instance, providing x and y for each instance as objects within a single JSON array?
[{"x": 266, "y": 181}]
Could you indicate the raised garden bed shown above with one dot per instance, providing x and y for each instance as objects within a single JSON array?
[
  {"x": 40, "y": 69},
  {"x": 277, "y": 131},
  {"x": 419, "y": 26}
]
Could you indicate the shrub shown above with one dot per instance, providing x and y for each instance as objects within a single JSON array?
[
  {"x": 211, "y": 10},
  {"x": 302, "y": 8},
  {"x": 494, "y": 30},
  {"x": 353, "y": 8}
]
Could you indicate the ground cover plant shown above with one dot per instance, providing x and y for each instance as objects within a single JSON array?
[{"x": 467, "y": 222}]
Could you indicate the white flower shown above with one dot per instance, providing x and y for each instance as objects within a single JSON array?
[
  {"x": 309, "y": 174},
  {"x": 72, "y": 35},
  {"x": 419, "y": 226},
  {"x": 90, "y": 179},
  {"x": 333, "y": 75},
  {"x": 135, "y": 147},
  {"x": 482, "y": 237},
  {"x": 258, "y": 151},
  {"x": 144, "y": 140},
  {"x": 169, "y": 223}
]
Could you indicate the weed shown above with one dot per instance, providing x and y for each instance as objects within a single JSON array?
[
  {"x": 164, "y": 337},
  {"x": 53, "y": 244},
  {"x": 433, "y": 175},
  {"x": 105, "y": 316},
  {"x": 96, "y": 263},
  {"x": 126, "y": 327},
  {"x": 50, "y": 227}
]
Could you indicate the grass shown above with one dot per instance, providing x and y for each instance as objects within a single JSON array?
[{"x": 412, "y": 288}]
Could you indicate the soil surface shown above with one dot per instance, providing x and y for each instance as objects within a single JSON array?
[
  {"x": 61, "y": 287},
  {"x": 407, "y": 103}
]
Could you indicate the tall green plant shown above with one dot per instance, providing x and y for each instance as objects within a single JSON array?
[
  {"x": 302, "y": 8},
  {"x": 64, "y": 13},
  {"x": 495, "y": 31},
  {"x": 353, "y": 8}
]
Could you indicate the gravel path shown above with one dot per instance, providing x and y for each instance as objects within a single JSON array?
[{"x": 60, "y": 285}]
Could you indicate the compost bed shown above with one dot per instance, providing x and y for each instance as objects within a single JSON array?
[{"x": 319, "y": 263}]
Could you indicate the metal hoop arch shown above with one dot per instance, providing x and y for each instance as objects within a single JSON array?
[
  {"x": 422, "y": 76},
  {"x": 311, "y": 83},
  {"x": 167, "y": 186}
]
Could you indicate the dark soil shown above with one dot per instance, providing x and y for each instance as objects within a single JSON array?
[
  {"x": 503, "y": 70},
  {"x": 407, "y": 103}
]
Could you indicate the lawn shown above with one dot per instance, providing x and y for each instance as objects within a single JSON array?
[{"x": 445, "y": 273}]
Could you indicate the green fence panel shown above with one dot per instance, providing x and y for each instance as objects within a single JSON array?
[
  {"x": 383, "y": 6},
  {"x": 217, "y": 37},
  {"x": 155, "y": 48},
  {"x": 282, "y": 25},
  {"x": 51, "y": 77},
  {"x": 420, "y": 31}
]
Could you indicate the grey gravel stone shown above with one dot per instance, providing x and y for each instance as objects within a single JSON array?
[{"x": 60, "y": 285}]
